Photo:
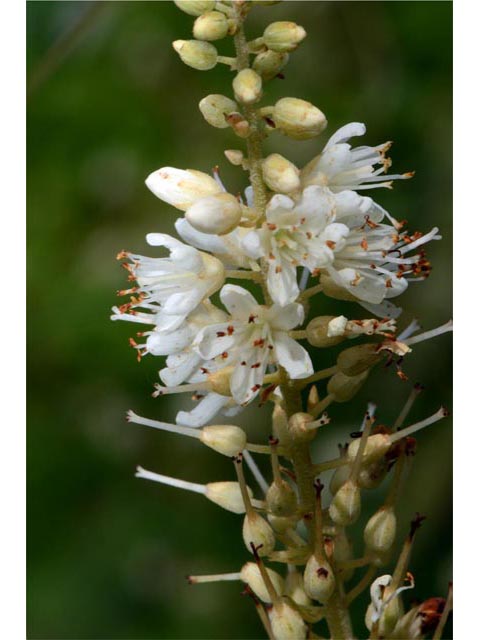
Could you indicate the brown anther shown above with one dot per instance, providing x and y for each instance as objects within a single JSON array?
[
  {"x": 224, "y": 355},
  {"x": 221, "y": 334},
  {"x": 121, "y": 255},
  {"x": 255, "y": 388},
  {"x": 331, "y": 244},
  {"x": 369, "y": 223},
  {"x": 278, "y": 269},
  {"x": 364, "y": 244},
  {"x": 230, "y": 329},
  {"x": 430, "y": 612},
  {"x": 259, "y": 343},
  {"x": 256, "y": 365},
  {"x": 271, "y": 226},
  {"x": 270, "y": 121},
  {"x": 388, "y": 283},
  {"x": 266, "y": 393},
  {"x": 243, "y": 363},
  {"x": 204, "y": 370},
  {"x": 322, "y": 572},
  {"x": 251, "y": 318}
]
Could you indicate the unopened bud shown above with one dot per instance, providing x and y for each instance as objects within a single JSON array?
[
  {"x": 215, "y": 108},
  {"x": 279, "y": 174},
  {"x": 390, "y": 616},
  {"x": 227, "y": 495},
  {"x": 234, "y": 156},
  {"x": 379, "y": 533},
  {"x": 343, "y": 387},
  {"x": 250, "y": 574},
  {"x": 339, "y": 478},
  {"x": 358, "y": 359},
  {"x": 258, "y": 532},
  {"x": 283, "y": 36},
  {"x": 196, "y": 54},
  {"x": 297, "y": 426},
  {"x": 298, "y": 119},
  {"x": 346, "y": 504},
  {"x": 247, "y": 86},
  {"x": 218, "y": 214},
  {"x": 281, "y": 499},
  {"x": 281, "y": 524},
  {"x": 371, "y": 475},
  {"x": 269, "y": 63},
  {"x": 228, "y": 440},
  {"x": 181, "y": 188},
  {"x": 212, "y": 25},
  {"x": 342, "y": 552},
  {"x": 319, "y": 580},
  {"x": 318, "y": 332},
  {"x": 286, "y": 623},
  {"x": 195, "y": 7},
  {"x": 376, "y": 447},
  {"x": 295, "y": 589}
]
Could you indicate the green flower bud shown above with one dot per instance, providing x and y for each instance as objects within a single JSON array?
[
  {"x": 358, "y": 359},
  {"x": 297, "y": 426},
  {"x": 195, "y": 7},
  {"x": 280, "y": 524},
  {"x": 317, "y": 332},
  {"x": 339, "y": 477},
  {"x": 280, "y": 175},
  {"x": 194, "y": 53},
  {"x": 371, "y": 475},
  {"x": 298, "y": 119},
  {"x": 234, "y": 156},
  {"x": 343, "y": 387},
  {"x": 319, "y": 580},
  {"x": 247, "y": 86},
  {"x": 256, "y": 530},
  {"x": 346, "y": 504},
  {"x": 379, "y": 533},
  {"x": 212, "y": 25},
  {"x": 250, "y": 574},
  {"x": 215, "y": 107},
  {"x": 218, "y": 214},
  {"x": 283, "y": 36},
  {"x": 269, "y": 63},
  {"x": 281, "y": 499}
]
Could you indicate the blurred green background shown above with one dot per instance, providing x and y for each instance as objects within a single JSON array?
[{"x": 107, "y": 554}]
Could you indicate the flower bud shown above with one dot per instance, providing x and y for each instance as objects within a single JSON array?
[
  {"x": 196, "y": 54},
  {"x": 234, "y": 156},
  {"x": 343, "y": 387},
  {"x": 250, "y": 574},
  {"x": 283, "y": 36},
  {"x": 379, "y": 533},
  {"x": 371, "y": 475},
  {"x": 220, "y": 381},
  {"x": 358, "y": 359},
  {"x": 342, "y": 552},
  {"x": 295, "y": 589},
  {"x": 319, "y": 580},
  {"x": 227, "y": 495},
  {"x": 286, "y": 623},
  {"x": 391, "y": 614},
  {"x": 218, "y": 214},
  {"x": 181, "y": 188},
  {"x": 228, "y": 440},
  {"x": 195, "y": 7},
  {"x": 376, "y": 447},
  {"x": 212, "y": 25},
  {"x": 269, "y": 63},
  {"x": 280, "y": 175},
  {"x": 317, "y": 332},
  {"x": 281, "y": 499},
  {"x": 280, "y": 524},
  {"x": 346, "y": 504},
  {"x": 238, "y": 123},
  {"x": 339, "y": 477},
  {"x": 247, "y": 86},
  {"x": 297, "y": 426},
  {"x": 298, "y": 119},
  {"x": 215, "y": 108},
  {"x": 256, "y": 530}
]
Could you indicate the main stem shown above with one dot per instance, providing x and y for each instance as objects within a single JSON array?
[{"x": 336, "y": 612}]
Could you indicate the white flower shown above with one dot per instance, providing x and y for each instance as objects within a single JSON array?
[
  {"x": 340, "y": 167},
  {"x": 169, "y": 288},
  {"x": 377, "y": 594},
  {"x": 181, "y": 188},
  {"x": 254, "y": 337},
  {"x": 371, "y": 261},
  {"x": 293, "y": 235}
]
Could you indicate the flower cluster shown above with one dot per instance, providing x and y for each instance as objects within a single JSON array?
[{"x": 293, "y": 235}]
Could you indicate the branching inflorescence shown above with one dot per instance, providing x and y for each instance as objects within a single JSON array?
[{"x": 294, "y": 234}]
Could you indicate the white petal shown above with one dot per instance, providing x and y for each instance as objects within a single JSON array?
[
  {"x": 351, "y": 130},
  {"x": 292, "y": 356},
  {"x": 213, "y": 340},
  {"x": 164, "y": 240},
  {"x": 164, "y": 344},
  {"x": 181, "y": 188},
  {"x": 205, "y": 411},
  {"x": 203, "y": 241},
  {"x": 282, "y": 282},
  {"x": 239, "y": 302},
  {"x": 253, "y": 245},
  {"x": 180, "y": 367},
  {"x": 286, "y": 318}
]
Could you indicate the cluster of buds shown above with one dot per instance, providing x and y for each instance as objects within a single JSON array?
[{"x": 224, "y": 357}]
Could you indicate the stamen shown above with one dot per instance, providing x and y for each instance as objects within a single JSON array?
[
  {"x": 403, "y": 433},
  {"x": 415, "y": 392},
  {"x": 163, "y": 426},
  {"x": 257, "y": 474},
  {"x": 172, "y": 482},
  {"x": 433, "y": 333},
  {"x": 219, "y": 577}
]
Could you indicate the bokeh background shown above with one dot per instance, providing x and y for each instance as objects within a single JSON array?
[{"x": 109, "y": 103}]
